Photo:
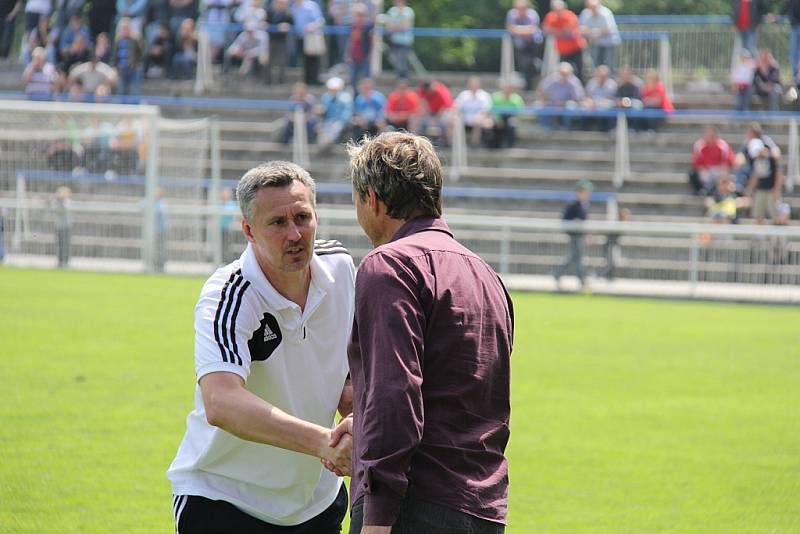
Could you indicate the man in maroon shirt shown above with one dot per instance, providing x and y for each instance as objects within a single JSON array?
[{"x": 428, "y": 311}]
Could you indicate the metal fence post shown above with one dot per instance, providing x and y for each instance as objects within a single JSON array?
[
  {"x": 22, "y": 223},
  {"x": 622, "y": 161},
  {"x": 458, "y": 156},
  {"x": 665, "y": 63},
  {"x": 300, "y": 139},
  {"x": 215, "y": 195},
  {"x": 506, "y": 59},
  {"x": 793, "y": 166},
  {"x": 551, "y": 58},
  {"x": 376, "y": 55},
  {"x": 151, "y": 188},
  {"x": 204, "y": 76}
]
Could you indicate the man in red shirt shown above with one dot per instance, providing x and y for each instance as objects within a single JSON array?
[
  {"x": 563, "y": 25},
  {"x": 403, "y": 107},
  {"x": 436, "y": 102},
  {"x": 712, "y": 158}
]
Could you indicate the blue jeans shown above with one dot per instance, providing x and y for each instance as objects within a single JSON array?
[
  {"x": 750, "y": 40},
  {"x": 399, "y": 55},
  {"x": 794, "y": 49},
  {"x": 359, "y": 70},
  {"x": 422, "y": 517},
  {"x": 743, "y": 97},
  {"x": 603, "y": 55},
  {"x": 129, "y": 80}
]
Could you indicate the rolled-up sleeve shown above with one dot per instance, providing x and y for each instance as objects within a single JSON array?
[{"x": 391, "y": 327}]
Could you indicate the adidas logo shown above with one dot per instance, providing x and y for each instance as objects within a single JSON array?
[{"x": 269, "y": 335}]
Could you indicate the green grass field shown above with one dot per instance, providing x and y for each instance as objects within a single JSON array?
[{"x": 628, "y": 415}]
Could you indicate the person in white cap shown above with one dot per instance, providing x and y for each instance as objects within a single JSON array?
[{"x": 336, "y": 111}]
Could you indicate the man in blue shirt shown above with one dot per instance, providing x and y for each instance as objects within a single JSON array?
[
  {"x": 368, "y": 115},
  {"x": 337, "y": 111}
]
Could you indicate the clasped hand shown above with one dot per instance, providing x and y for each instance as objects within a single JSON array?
[{"x": 337, "y": 456}]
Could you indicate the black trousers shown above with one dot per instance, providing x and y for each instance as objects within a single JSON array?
[
  {"x": 423, "y": 517},
  {"x": 198, "y": 515}
]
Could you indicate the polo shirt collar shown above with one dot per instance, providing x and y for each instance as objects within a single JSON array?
[
  {"x": 422, "y": 224},
  {"x": 321, "y": 279}
]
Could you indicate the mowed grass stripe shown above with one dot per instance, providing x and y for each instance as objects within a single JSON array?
[{"x": 628, "y": 415}]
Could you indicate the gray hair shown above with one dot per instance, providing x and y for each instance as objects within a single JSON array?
[
  {"x": 271, "y": 174},
  {"x": 403, "y": 170}
]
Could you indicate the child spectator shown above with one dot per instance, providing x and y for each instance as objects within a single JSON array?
[
  {"x": 368, "y": 110},
  {"x": 473, "y": 105},
  {"x": 400, "y": 34},
  {"x": 506, "y": 105},
  {"x": 577, "y": 210},
  {"x": 127, "y": 58},
  {"x": 402, "y": 107},
  {"x": 712, "y": 158},
  {"x": 742, "y": 79},
  {"x": 721, "y": 207}
]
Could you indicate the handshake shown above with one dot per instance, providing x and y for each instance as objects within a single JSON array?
[{"x": 336, "y": 455}]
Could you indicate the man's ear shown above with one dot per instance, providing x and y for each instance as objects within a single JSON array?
[
  {"x": 247, "y": 230},
  {"x": 374, "y": 202}
]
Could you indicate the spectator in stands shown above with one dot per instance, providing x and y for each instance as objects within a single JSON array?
[
  {"x": 368, "y": 110},
  {"x": 522, "y": 23},
  {"x": 601, "y": 93},
  {"x": 250, "y": 47},
  {"x": 792, "y": 10},
  {"x": 134, "y": 11},
  {"x": 35, "y": 10},
  {"x": 436, "y": 104},
  {"x": 101, "y": 17},
  {"x": 473, "y": 105},
  {"x": 766, "y": 180},
  {"x": 9, "y": 9},
  {"x": 712, "y": 158},
  {"x": 359, "y": 46},
  {"x": 577, "y": 210},
  {"x": 216, "y": 15},
  {"x": 303, "y": 99},
  {"x": 506, "y": 105},
  {"x": 62, "y": 204},
  {"x": 629, "y": 90},
  {"x": 102, "y": 48},
  {"x": 127, "y": 59},
  {"x": 747, "y": 16},
  {"x": 280, "y": 16},
  {"x": 181, "y": 10},
  {"x": 561, "y": 89},
  {"x": 767, "y": 80},
  {"x": 403, "y": 107},
  {"x": 68, "y": 35},
  {"x": 655, "y": 97},
  {"x": 562, "y": 24},
  {"x": 340, "y": 13},
  {"x": 79, "y": 51},
  {"x": 742, "y": 75},
  {"x": 40, "y": 76},
  {"x": 399, "y": 28},
  {"x": 336, "y": 112},
  {"x": 743, "y": 163},
  {"x": 600, "y": 30},
  {"x": 185, "y": 59},
  {"x": 251, "y": 12},
  {"x": 721, "y": 206},
  {"x": 158, "y": 60},
  {"x": 308, "y": 21},
  {"x": 41, "y": 36},
  {"x": 92, "y": 74}
]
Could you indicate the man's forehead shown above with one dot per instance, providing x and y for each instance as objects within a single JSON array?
[{"x": 296, "y": 196}]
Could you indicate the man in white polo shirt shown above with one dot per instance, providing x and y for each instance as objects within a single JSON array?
[{"x": 270, "y": 357}]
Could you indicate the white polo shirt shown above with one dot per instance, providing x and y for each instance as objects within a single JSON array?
[{"x": 294, "y": 360}]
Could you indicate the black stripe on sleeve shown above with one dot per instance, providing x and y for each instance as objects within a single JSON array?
[
  {"x": 217, "y": 328},
  {"x": 226, "y": 314},
  {"x": 233, "y": 321}
]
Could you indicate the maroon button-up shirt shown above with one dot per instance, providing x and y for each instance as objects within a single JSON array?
[{"x": 430, "y": 366}]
